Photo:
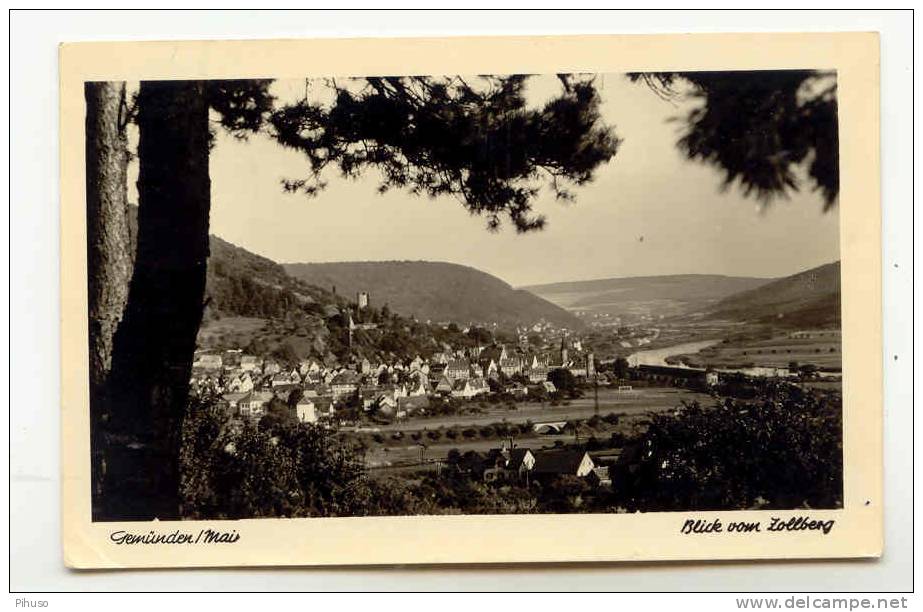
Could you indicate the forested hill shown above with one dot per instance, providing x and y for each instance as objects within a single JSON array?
[
  {"x": 241, "y": 283},
  {"x": 435, "y": 291},
  {"x": 809, "y": 298},
  {"x": 253, "y": 304},
  {"x": 645, "y": 295}
]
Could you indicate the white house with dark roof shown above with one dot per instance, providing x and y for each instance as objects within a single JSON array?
[
  {"x": 418, "y": 387},
  {"x": 305, "y": 411},
  {"x": 208, "y": 361},
  {"x": 286, "y": 378},
  {"x": 458, "y": 369},
  {"x": 244, "y": 383},
  {"x": 539, "y": 373},
  {"x": 308, "y": 366},
  {"x": 468, "y": 388},
  {"x": 344, "y": 384},
  {"x": 254, "y": 404},
  {"x": 271, "y": 367},
  {"x": 563, "y": 462},
  {"x": 511, "y": 366},
  {"x": 508, "y": 464},
  {"x": 232, "y": 401},
  {"x": 387, "y": 403},
  {"x": 251, "y": 363},
  {"x": 443, "y": 385}
]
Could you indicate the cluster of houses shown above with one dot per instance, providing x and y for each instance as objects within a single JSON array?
[
  {"x": 522, "y": 465},
  {"x": 247, "y": 383},
  {"x": 668, "y": 374}
]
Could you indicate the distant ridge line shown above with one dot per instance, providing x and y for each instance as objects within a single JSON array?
[
  {"x": 647, "y": 277},
  {"x": 436, "y": 291}
]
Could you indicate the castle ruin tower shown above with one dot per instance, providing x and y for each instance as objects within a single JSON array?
[{"x": 362, "y": 302}]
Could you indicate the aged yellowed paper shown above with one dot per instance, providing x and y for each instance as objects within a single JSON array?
[{"x": 544, "y": 408}]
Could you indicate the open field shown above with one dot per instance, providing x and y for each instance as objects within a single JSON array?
[
  {"x": 229, "y": 325},
  {"x": 388, "y": 460},
  {"x": 644, "y": 297},
  {"x": 392, "y": 456},
  {"x": 639, "y": 401},
  {"x": 825, "y": 353}
]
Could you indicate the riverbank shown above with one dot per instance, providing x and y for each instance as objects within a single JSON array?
[
  {"x": 764, "y": 358},
  {"x": 660, "y": 356},
  {"x": 781, "y": 355}
]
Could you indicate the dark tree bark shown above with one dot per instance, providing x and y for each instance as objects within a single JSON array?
[
  {"x": 108, "y": 243},
  {"x": 154, "y": 345}
]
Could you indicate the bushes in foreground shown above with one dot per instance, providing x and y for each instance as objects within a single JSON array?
[{"x": 782, "y": 451}]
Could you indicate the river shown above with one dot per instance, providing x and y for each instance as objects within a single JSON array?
[{"x": 658, "y": 357}]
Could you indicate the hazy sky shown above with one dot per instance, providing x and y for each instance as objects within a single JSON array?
[{"x": 647, "y": 190}]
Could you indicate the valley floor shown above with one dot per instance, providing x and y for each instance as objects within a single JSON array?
[
  {"x": 631, "y": 407},
  {"x": 823, "y": 351}
]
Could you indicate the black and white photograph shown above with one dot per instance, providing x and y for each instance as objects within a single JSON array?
[
  {"x": 312, "y": 302},
  {"x": 464, "y": 294}
]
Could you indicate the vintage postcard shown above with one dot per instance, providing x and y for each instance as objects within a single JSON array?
[{"x": 471, "y": 300}]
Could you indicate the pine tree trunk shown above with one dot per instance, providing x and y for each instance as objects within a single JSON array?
[
  {"x": 108, "y": 244},
  {"x": 154, "y": 346}
]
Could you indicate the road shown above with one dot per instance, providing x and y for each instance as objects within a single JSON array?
[{"x": 640, "y": 401}]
